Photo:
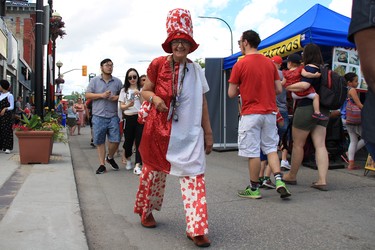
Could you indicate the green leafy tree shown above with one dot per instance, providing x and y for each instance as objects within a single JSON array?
[{"x": 201, "y": 62}]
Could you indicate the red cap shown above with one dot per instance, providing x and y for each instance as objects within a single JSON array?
[{"x": 277, "y": 59}]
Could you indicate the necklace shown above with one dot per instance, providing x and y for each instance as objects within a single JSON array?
[{"x": 176, "y": 91}]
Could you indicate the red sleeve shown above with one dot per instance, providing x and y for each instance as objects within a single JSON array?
[
  {"x": 234, "y": 75},
  {"x": 153, "y": 68}
]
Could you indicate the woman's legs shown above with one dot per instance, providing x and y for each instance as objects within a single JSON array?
[
  {"x": 354, "y": 132},
  {"x": 318, "y": 136},
  {"x": 299, "y": 139},
  {"x": 352, "y": 145},
  {"x": 129, "y": 134},
  {"x": 150, "y": 192},
  {"x": 193, "y": 191}
]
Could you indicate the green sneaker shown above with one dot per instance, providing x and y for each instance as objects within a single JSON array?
[
  {"x": 248, "y": 193},
  {"x": 282, "y": 190}
]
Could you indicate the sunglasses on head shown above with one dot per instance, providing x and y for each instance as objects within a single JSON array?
[{"x": 134, "y": 77}]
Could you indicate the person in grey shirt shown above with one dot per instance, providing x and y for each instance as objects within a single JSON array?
[
  {"x": 281, "y": 103},
  {"x": 104, "y": 90}
]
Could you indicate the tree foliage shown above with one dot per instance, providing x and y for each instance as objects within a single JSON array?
[{"x": 201, "y": 62}]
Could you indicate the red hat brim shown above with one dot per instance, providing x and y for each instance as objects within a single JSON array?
[{"x": 178, "y": 35}]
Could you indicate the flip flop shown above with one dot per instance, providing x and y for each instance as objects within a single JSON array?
[
  {"x": 320, "y": 187},
  {"x": 289, "y": 182}
]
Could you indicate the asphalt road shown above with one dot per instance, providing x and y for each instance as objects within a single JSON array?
[{"x": 342, "y": 218}]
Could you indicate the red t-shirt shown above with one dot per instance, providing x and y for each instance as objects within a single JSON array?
[{"x": 256, "y": 75}]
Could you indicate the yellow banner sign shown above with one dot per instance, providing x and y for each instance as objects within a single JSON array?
[{"x": 284, "y": 48}]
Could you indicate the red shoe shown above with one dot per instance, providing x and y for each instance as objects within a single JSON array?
[
  {"x": 200, "y": 240},
  {"x": 149, "y": 222},
  {"x": 354, "y": 168}
]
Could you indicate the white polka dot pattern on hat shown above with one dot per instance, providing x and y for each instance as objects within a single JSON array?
[{"x": 179, "y": 20}]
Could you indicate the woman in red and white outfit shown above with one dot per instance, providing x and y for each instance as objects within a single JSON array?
[{"x": 177, "y": 132}]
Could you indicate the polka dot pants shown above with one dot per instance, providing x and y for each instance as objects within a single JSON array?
[{"x": 151, "y": 193}]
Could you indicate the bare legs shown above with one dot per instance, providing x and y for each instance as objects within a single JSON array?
[
  {"x": 299, "y": 138},
  {"x": 112, "y": 148},
  {"x": 318, "y": 136}
]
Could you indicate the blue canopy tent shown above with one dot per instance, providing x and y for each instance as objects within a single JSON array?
[{"x": 318, "y": 25}]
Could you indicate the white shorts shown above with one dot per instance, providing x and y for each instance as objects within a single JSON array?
[{"x": 257, "y": 132}]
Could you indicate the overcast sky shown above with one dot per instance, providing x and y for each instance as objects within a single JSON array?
[{"x": 131, "y": 32}]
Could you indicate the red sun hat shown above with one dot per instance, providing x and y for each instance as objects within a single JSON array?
[{"x": 179, "y": 26}]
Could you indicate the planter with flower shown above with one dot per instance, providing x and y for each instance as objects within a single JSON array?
[{"x": 36, "y": 137}]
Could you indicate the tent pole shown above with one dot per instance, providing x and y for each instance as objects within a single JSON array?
[{"x": 225, "y": 110}]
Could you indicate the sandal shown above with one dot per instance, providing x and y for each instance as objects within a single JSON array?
[{"x": 320, "y": 187}]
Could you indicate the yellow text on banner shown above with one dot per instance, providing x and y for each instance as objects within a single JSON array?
[{"x": 284, "y": 48}]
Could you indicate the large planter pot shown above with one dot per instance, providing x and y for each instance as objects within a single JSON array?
[{"x": 35, "y": 146}]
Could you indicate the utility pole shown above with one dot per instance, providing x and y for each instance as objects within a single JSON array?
[{"x": 38, "y": 76}]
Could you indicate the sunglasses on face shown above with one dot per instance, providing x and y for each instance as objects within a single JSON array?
[
  {"x": 180, "y": 41},
  {"x": 132, "y": 77}
]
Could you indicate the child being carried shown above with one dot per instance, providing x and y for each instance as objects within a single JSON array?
[{"x": 293, "y": 75}]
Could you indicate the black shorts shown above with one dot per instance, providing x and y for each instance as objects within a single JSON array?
[{"x": 363, "y": 17}]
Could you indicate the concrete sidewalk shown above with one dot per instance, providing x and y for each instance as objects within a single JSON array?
[{"x": 39, "y": 207}]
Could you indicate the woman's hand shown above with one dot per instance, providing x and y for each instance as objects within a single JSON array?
[
  {"x": 208, "y": 143},
  {"x": 159, "y": 104},
  {"x": 130, "y": 103},
  {"x": 136, "y": 92}
]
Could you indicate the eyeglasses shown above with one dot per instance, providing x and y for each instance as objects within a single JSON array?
[
  {"x": 178, "y": 41},
  {"x": 108, "y": 65},
  {"x": 132, "y": 77}
]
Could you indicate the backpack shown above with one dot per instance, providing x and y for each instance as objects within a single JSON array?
[{"x": 333, "y": 90}]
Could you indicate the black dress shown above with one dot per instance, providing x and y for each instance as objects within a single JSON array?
[{"x": 6, "y": 122}]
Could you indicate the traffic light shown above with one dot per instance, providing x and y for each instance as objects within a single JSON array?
[{"x": 84, "y": 70}]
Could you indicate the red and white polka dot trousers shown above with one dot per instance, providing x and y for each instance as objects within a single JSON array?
[{"x": 151, "y": 193}]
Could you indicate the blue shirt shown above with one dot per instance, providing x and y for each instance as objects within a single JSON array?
[{"x": 104, "y": 107}]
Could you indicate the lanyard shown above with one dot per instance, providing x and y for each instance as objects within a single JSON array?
[{"x": 176, "y": 91}]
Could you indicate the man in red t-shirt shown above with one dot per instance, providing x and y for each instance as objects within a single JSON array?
[{"x": 256, "y": 78}]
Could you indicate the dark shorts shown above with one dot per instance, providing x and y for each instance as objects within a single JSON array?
[
  {"x": 363, "y": 17},
  {"x": 71, "y": 122},
  {"x": 303, "y": 119}
]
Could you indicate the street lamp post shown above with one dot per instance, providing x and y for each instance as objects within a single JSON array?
[
  {"x": 231, "y": 34},
  {"x": 56, "y": 26},
  {"x": 59, "y": 79},
  {"x": 223, "y": 84}
]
